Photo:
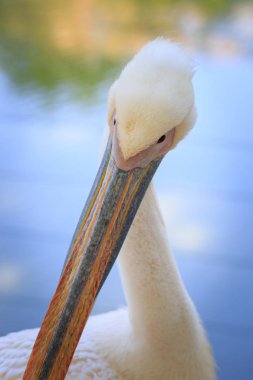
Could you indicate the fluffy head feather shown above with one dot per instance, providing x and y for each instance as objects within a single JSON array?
[{"x": 153, "y": 94}]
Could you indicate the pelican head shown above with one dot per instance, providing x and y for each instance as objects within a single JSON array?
[
  {"x": 150, "y": 108},
  {"x": 153, "y": 96}
]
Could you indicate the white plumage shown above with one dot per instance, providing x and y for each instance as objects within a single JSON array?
[{"x": 159, "y": 336}]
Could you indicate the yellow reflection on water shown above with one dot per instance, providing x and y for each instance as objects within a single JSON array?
[{"x": 45, "y": 44}]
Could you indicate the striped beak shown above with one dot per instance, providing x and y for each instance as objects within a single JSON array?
[{"x": 107, "y": 216}]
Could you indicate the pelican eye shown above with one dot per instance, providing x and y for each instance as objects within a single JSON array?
[
  {"x": 161, "y": 139},
  {"x": 114, "y": 121}
]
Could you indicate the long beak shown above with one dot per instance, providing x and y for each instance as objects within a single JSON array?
[{"x": 100, "y": 233}]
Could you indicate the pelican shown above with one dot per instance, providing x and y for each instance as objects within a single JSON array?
[{"x": 160, "y": 335}]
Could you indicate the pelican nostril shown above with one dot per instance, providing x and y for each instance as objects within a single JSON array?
[{"x": 161, "y": 139}]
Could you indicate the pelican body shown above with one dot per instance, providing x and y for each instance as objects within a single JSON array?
[{"x": 160, "y": 336}]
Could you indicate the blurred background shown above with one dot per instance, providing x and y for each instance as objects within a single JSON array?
[{"x": 57, "y": 61}]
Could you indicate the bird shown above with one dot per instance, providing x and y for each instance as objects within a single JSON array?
[{"x": 159, "y": 335}]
